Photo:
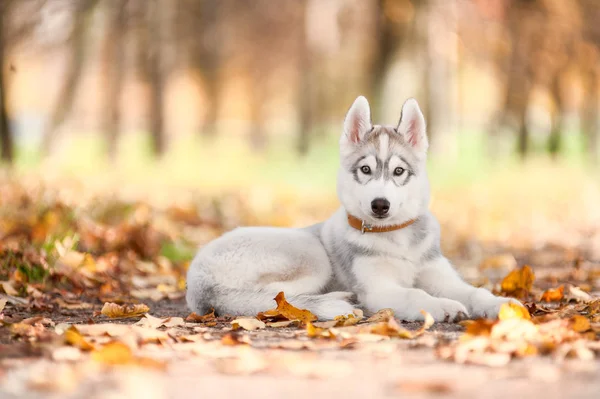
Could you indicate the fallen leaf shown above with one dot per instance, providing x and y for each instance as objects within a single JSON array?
[
  {"x": 73, "y": 305},
  {"x": 115, "y": 311},
  {"x": 287, "y": 311},
  {"x": 580, "y": 323},
  {"x": 513, "y": 311},
  {"x": 113, "y": 353},
  {"x": 73, "y": 337},
  {"x": 346, "y": 321},
  {"x": 234, "y": 338},
  {"x": 553, "y": 294},
  {"x": 249, "y": 324},
  {"x": 8, "y": 288},
  {"x": 3, "y": 302},
  {"x": 149, "y": 321},
  {"x": 578, "y": 294},
  {"x": 478, "y": 327},
  {"x": 285, "y": 323},
  {"x": 518, "y": 283},
  {"x": 195, "y": 318},
  {"x": 382, "y": 315},
  {"x": 427, "y": 323}
]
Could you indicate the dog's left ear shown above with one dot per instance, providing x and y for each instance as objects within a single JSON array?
[{"x": 412, "y": 126}]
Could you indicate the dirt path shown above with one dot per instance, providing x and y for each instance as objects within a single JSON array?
[{"x": 383, "y": 369}]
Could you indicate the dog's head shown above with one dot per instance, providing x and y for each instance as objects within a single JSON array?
[{"x": 382, "y": 177}]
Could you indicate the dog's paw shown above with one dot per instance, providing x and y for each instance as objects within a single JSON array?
[
  {"x": 446, "y": 310},
  {"x": 332, "y": 308},
  {"x": 489, "y": 308}
]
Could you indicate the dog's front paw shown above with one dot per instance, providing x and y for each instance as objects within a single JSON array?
[
  {"x": 490, "y": 307},
  {"x": 448, "y": 310}
]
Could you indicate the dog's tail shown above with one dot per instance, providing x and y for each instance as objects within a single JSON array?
[{"x": 201, "y": 296}]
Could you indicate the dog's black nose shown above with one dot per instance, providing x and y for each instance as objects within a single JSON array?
[{"x": 380, "y": 206}]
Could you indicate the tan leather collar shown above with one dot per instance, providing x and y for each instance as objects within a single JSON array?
[{"x": 364, "y": 227}]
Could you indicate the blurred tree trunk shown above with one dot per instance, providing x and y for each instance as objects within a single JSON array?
[
  {"x": 388, "y": 40},
  {"x": 441, "y": 77},
  {"x": 150, "y": 42},
  {"x": 591, "y": 114},
  {"x": 206, "y": 59},
  {"x": 6, "y": 139},
  {"x": 114, "y": 54},
  {"x": 77, "y": 53},
  {"x": 555, "y": 139},
  {"x": 305, "y": 89}
]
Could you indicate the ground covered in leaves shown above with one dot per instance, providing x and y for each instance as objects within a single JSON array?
[{"x": 91, "y": 305}]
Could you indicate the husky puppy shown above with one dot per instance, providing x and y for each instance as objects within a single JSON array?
[{"x": 382, "y": 246}]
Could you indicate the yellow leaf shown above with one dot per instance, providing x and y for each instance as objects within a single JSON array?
[
  {"x": 3, "y": 304},
  {"x": 513, "y": 311},
  {"x": 113, "y": 353},
  {"x": 287, "y": 311},
  {"x": 114, "y": 310},
  {"x": 73, "y": 337},
  {"x": 382, "y": 315},
  {"x": 553, "y": 294},
  {"x": 580, "y": 323},
  {"x": 427, "y": 323},
  {"x": 518, "y": 283},
  {"x": 249, "y": 324},
  {"x": 478, "y": 327}
]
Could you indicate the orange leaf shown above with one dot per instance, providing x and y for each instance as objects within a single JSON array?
[
  {"x": 115, "y": 311},
  {"x": 113, "y": 353},
  {"x": 513, "y": 311},
  {"x": 580, "y": 323},
  {"x": 553, "y": 294},
  {"x": 74, "y": 337},
  {"x": 287, "y": 311},
  {"x": 518, "y": 283},
  {"x": 196, "y": 318}
]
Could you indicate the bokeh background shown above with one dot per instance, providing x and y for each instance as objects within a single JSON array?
[{"x": 233, "y": 108}]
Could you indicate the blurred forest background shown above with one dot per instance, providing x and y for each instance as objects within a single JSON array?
[
  {"x": 231, "y": 95},
  {"x": 524, "y": 74}
]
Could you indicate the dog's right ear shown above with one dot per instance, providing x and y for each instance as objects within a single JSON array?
[{"x": 358, "y": 121}]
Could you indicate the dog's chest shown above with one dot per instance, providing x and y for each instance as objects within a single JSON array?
[{"x": 389, "y": 260}]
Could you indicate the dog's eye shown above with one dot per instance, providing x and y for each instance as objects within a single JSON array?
[
  {"x": 398, "y": 171},
  {"x": 365, "y": 169}
]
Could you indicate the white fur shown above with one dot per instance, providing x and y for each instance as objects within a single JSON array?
[{"x": 242, "y": 271}]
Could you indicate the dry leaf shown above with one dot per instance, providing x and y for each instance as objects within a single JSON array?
[
  {"x": 427, "y": 323},
  {"x": 195, "y": 318},
  {"x": 518, "y": 283},
  {"x": 113, "y": 353},
  {"x": 580, "y": 323},
  {"x": 285, "y": 323},
  {"x": 73, "y": 337},
  {"x": 346, "y": 321},
  {"x": 249, "y": 324},
  {"x": 8, "y": 288},
  {"x": 578, "y": 294},
  {"x": 513, "y": 311},
  {"x": 3, "y": 302},
  {"x": 553, "y": 294},
  {"x": 287, "y": 311},
  {"x": 382, "y": 315},
  {"x": 115, "y": 311},
  {"x": 150, "y": 321}
]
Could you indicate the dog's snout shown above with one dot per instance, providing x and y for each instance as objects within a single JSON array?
[{"x": 380, "y": 206}]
